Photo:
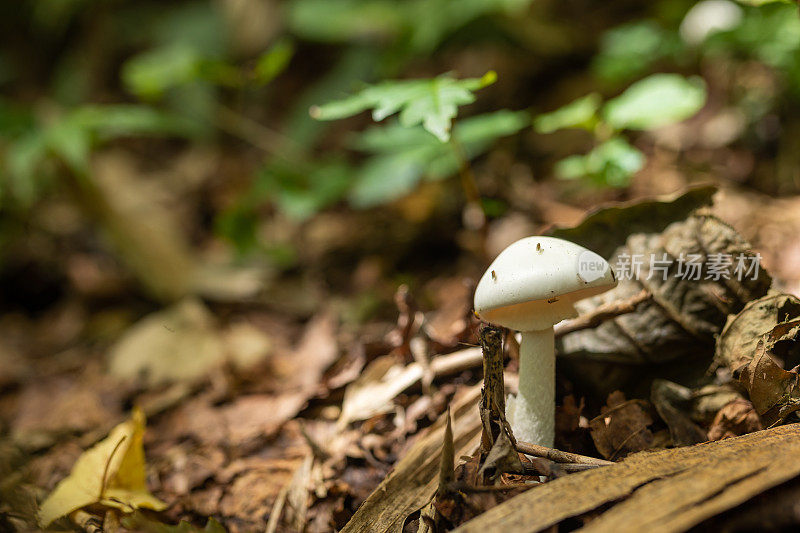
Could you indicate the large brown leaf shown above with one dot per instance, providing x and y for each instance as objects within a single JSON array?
[{"x": 679, "y": 323}]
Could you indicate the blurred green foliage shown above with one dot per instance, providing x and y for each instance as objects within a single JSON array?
[
  {"x": 655, "y": 101},
  {"x": 416, "y": 25},
  {"x": 69, "y": 140},
  {"x": 648, "y": 104},
  {"x": 629, "y": 50},
  {"x": 399, "y": 157},
  {"x": 78, "y": 74}
]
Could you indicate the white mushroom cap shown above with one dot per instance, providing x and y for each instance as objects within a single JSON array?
[{"x": 534, "y": 283}]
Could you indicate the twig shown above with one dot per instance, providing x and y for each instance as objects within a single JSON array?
[
  {"x": 455, "y": 362},
  {"x": 578, "y": 467},
  {"x": 493, "y": 394},
  {"x": 472, "y": 357},
  {"x": 530, "y": 469},
  {"x": 601, "y": 314},
  {"x": 86, "y": 522},
  {"x": 277, "y": 510},
  {"x": 558, "y": 456},
  {"x": 462, "y": 487},
  {"x": 254, "y": 133}
]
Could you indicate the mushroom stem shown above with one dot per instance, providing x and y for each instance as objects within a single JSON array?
[{"x": 532, "y": 413}]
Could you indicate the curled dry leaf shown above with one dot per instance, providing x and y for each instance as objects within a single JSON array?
[
  {"x": 679, "y": 323},
  {"x": 738, "y": 340},
  {"x": 739, "y": 417},
  {"x": 774, "y": 392},
  {"x": 622, "y": 427},
  {"x": 761, "y": 347}
]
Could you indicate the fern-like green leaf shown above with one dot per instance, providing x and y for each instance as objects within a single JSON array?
[{"x": 430, "y": 102}]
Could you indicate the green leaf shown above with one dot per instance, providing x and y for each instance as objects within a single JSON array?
[
  {"x": 764, "y": 2},
  {"x": 273, "y": 61},
  {"x": 71, "y": 143},
  {"x": 770, "y": 34},
  {"x": 628, "y": 50},
  {"x": 111, "y": 121},
  {"x": 475, "y": 134},
  {"x": 387, "y": 178},
  {"x": 656, "y": 101},
  {"x": 23, "y": 160},
  {"x": 402, "y": 157},
  {"x": 580, "y": 113},
  {"x": 302, "y": 192},
  {"x": 150, "y": 74},
  {"x": 430, "y": 102},
  {"x": 418, "y": 25},
  {"x": 611, "y": 164},
  {"x": 71, "y": 139},
  {"x": 344, "y": 20}
]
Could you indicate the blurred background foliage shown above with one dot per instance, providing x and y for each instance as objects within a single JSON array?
[{"x": 598, "y": 101}]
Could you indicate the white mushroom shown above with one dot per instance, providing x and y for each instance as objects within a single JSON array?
[{"x": 531, "y": 286}]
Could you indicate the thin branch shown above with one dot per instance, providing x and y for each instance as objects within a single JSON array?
[
  {"x": 254, "y": 133},
  {"x": 86, "y": 522},
  {"x": 558, "y": 456},
  {"x": 601, "y": 314}
]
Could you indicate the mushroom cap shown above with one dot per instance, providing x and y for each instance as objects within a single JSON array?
[{"x": 534, "y": 283}]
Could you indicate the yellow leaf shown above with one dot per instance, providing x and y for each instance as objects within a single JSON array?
[{"x": 111, "y": 473}]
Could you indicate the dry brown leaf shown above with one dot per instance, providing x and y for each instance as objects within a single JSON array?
[
  {"x": 572, "y": 433},
  {"x": 773, "y": 391},
  {"x": 737, "y": 418},
  {"x": 738, "y": 340},
  {"x": 51, "y": 408},
  {"x": 316, "y": 352},
  {"x": 707, "y": 401},
  {"x": 622, "y": 427},
  {"x": 448, "y": 324},
  {"x": 258, "y": 416},
  {"x": 248, "y": 499},
  {"x": 180, "y": 343},
  {"x": 243, "y": 422},
  {"x": 761, "y": 346},
  {"x": 679, "y": 323}
]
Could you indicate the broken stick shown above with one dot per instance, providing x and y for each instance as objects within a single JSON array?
[
  {"x": 601, "y": 314},
  {"x": 558, "y": 456}
]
